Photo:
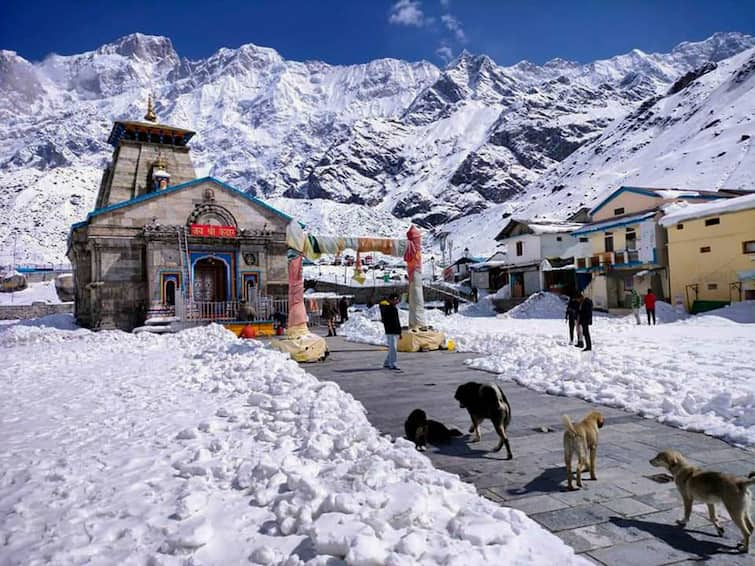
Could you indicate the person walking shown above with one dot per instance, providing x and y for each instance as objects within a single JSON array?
[
  {"x": 571, "y": 316},
  {"x": 585, "y": 319},
  {"x": 392, "y": 325},
  {"x": 455, "y": 303},
  {"x": 447, "y": 305},
  {"x": 343, "y": 308},
  {"x": 636, "y": 302},
  {"x": 650, "y": 299},
  {"x": 329, "y": 316}
]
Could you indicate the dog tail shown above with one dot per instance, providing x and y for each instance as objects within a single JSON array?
[
  {"x": 504, "y": 404},
  {"x": 454, "y": 432},
  {"x": 568, "y": 424}
]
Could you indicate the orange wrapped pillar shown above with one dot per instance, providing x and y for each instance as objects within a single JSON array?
[{"x": 413, "y": 258}]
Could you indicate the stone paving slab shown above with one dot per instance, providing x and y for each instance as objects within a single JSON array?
[{"x": 624, "y": 517}]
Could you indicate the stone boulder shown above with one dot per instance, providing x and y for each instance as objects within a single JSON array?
[
  {"x": 65, "y": 287},
  {"x": 12, "y": 282}
]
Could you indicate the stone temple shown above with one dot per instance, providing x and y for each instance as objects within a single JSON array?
[{"x": 163, "y": 243}]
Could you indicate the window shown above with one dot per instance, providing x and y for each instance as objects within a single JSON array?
[
  {"x": 705, "y": 249},
  {"x": 712, "y": 221},
  {"x": 712, "y": 286},
  {"x": 748, "y": 247},
  {"x": 609, "y": 241},
  {"x": 618, "y": 211},
  {"x": 519, "y": 248},
  {"x": 584, "y": 240},
  {"x": 680, "y": 226},
  {"x": 631, "y": 239}
]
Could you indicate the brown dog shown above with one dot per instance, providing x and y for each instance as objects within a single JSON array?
[
  {"x": 710, "y": 487},
  {"x": 580, "y": 439}
]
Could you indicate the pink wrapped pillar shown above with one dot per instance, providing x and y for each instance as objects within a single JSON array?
[{"x": 297, "y": 313}]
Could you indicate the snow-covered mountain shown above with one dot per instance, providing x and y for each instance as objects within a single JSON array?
[{"x": 402, "y": 139}]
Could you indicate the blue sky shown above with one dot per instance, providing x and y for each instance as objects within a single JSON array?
[{"x": 355, "y": 31}]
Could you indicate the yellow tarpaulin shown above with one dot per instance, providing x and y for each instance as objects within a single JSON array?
[
  {"x": 416, "y": 340},
  {"x": 303, "y": 348}
]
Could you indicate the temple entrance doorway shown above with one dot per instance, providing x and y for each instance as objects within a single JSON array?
[{"x": 210, "y": 281}]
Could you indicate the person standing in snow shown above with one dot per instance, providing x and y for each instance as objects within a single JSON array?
[
  {"x": 329, "y": 316},
  {"x": 572, "y": 313},
  {"x": 447, "y": 306},
  {"x": 392, "y": 325},
  {"x": 585, "y": 320},
  {"x": 343, "y": 308},
  {"x": 636, "y": 302},
  {"x": 650, "y": 299},
  {"x": 455, "y": 303}
]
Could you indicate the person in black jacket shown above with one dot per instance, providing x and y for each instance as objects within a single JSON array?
[
  {"x": 585, "y": 319},
  {"x": 343, "y": 309},
  {"x": 392, "y": 325},
  {"x": 572, "y": 312}
]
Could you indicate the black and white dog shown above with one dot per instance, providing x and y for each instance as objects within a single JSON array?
[{"x": 486, "y": 401}]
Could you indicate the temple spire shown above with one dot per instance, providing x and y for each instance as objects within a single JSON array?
[{"x": 150, "y": 116}]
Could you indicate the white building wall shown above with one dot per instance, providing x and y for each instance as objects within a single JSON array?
[
  {"x": 530, "y": 249},
  {"x": 551, "y": 247},
  {"x": 646, "y": 243}
]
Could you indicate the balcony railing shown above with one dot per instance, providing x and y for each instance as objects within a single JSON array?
[
  {"x": 603, "y": 259},
  {"x": 226, "y": 311}
]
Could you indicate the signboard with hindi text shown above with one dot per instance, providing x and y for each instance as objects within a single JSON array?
[{"x": 212, "y": 231}]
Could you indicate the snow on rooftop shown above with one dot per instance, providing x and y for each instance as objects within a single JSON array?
[
  {"x": 675, "y": 193},
  {"x": 485, "y": 265},
  {"x": 680, "y": 211},
  {"x": 552, "y": 228}
]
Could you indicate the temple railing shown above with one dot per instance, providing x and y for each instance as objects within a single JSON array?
[{"x": 263, "y": 309}]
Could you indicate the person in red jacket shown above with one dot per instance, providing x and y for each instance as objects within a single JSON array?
[{"x": 650, "y": 305}]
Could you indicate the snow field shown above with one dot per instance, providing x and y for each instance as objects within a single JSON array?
[
  {"x": 201, "y": 448},
  {"x": 697, "y": 374}
]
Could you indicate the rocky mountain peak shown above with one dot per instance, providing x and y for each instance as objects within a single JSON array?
[{"x": 153, "y": 48}]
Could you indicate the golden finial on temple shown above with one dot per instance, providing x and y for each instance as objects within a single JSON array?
[{"x": 150, "y": 116}]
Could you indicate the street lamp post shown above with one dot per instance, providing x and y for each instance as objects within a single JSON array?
[{"x": 432, "y": 262}]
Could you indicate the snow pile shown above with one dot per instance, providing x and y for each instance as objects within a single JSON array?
[
  {"x": 201, "y": 448},
  {"x": 483, "y": 307},
  {"x": 504, "y": 292},
  {"x": 539, "y": 305},
  {"x": 361, "y": 328},
  {"x": 742, "y": 312},
  {"x": 43, "y": 291},
  {"x": 665, "y": 313}
]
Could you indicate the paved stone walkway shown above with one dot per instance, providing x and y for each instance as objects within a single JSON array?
[{"x": 625, "y": 517}]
